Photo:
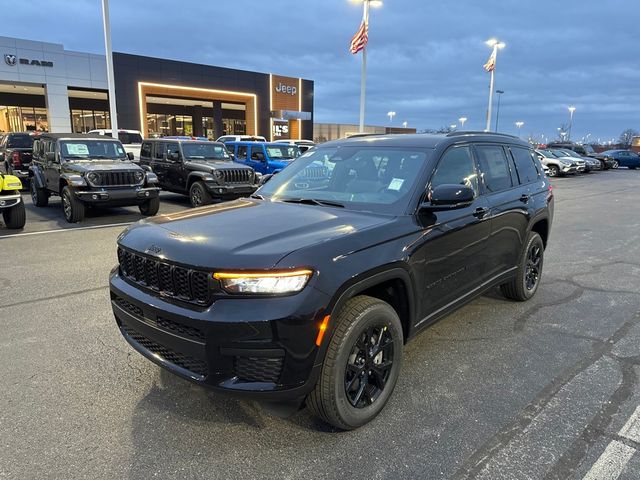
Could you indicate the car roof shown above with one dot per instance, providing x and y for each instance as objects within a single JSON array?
[
  {"x": 58, "y": 136},
  {"x": 186, "y": 140},
  {"x": 267, "y": 144},
  {"x": 424, "y": 140}
]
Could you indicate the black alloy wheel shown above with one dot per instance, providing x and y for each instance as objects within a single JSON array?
[
  {"x": 361, "y": 365},
  {"x": 369, "y": 366},
  {"x": 73, "y": 208},
  {"x": 198, "y": 194},
  {"x": 39, "y": 196},
  {"x": 533, "y": 267}
]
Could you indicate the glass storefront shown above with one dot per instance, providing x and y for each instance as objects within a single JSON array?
[
  {"x": 83, "y": 121},
  {"x": 233, "y": 126},
  {"x": 208, "y": 129},
  {"x": 23, "y": 119},
  {"x": 160, "y": 125}
]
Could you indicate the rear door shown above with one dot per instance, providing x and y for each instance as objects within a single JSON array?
[{"x": 508, "y": 201}]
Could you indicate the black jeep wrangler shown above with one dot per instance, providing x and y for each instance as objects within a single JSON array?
[
  {"x": 203, "y": 170},
  {"x": 310, "y": 291},
  {"x": 89, "y": 170}
]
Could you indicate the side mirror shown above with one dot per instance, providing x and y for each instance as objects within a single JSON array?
[
  {"x": 130, "y": 156},
  {"x": 449, "y": 197},
  {"x": 50, "y": 157},
  {"x": 266, "y": 178}
]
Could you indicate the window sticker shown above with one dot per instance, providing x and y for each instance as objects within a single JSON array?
[
  {"x": 395, "y": 184},
  {"x": 77, "y": 149},
  {"x": 120, "y": 151}
]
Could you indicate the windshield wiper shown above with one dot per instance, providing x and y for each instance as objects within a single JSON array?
[{"x": 314, "y": 201}]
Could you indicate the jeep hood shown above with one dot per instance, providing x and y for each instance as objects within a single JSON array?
[
  {"x": 244, "y": 234},
  {"x": 83, "y": 166}
]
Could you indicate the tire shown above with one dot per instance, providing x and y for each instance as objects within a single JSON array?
[
  {"x": 15, "y": 217},
  {"x": 39, "y": 196},
  {"x": 361, "y": 318},
  {"x": 615, "y": 164},
  {"x": 525, "y": 284},
  {"x": 72, "y": 208},
  {"x": 150, "y": 207},
  {"x": 554, "y": 171},
  {"x": 198, "y": 194}
]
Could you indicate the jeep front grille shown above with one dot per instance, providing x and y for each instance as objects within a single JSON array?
[
  {"x": 238, "y": 175},
  {"x": 115, "y": 179},
  {"x": 314, "y": 173},
  {"x": 181, "y": 283}
]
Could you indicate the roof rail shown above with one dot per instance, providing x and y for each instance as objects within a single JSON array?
[{"x": 480, "y": 132}]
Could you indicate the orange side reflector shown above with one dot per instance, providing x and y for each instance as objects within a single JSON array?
[{"x": 322, "y": 329}]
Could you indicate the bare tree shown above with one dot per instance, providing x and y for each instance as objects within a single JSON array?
[
  {"x": 626, "y": 136},
  {"x": 562, "y": 131}
]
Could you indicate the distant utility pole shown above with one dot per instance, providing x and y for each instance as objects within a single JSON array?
[{"x": 110, "y": 78}]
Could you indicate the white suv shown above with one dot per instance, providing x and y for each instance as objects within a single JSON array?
[
  {"x": 241, "y": 138},
  {"x": 130, "y": 139}
]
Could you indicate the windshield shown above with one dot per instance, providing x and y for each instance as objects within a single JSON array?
[
  {"x": 548, "y": 154},
  {"x": 588, "y": 149},
  {"x": 570, "y": 153},
  {"x": 20, "y": 141},
  {"x": 81, "y": 149},
  {"x": 128, "y": 138},
  {"x": 284, "y": 151},
  {"x": 375, "y": 179},
  {"x": 205, "y": 151},
  {"x": 560, "y": 153}
]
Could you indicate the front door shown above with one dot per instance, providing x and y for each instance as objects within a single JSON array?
[
  {"x": 450, "y": 258},
  {"x": 159, "y": 163},
  {"x": 52, "y": 168},
  {"x": 258, "y": 160}
]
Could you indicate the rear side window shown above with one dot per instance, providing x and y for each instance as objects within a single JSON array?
[
  {"x": 525, "y": 165},
  {"x": 494, "y": 168},
  {"x": 159, "y": 151},
  {"x": 456, "y": 167},
  {"x": 145, "y": 150},
  {"x": 20, "y": 141}
]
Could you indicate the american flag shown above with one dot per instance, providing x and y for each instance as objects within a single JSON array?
[
  {"x": 361, "y": 38},
  {"x": 490, "y": 66}
]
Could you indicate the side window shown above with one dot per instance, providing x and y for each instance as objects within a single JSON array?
[
  {"x": 456, "y": 167},
  {"x": 525, "y": 165},
  {"x": 494, "y": 168},
  {"x": 173, "y": 147},
  {"x": 242, "y": 152},
  {"x": 145, "y": 150},
  {"x": 159, "y": 151},
  {"x": 257, "y": 153}
]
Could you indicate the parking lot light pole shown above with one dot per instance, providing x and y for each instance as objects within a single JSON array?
[
  {"x": 519, "y": 126},
  {"x": 462, "y": 120},
  {"x": 110, "y": 78},
  {"x": 491, "y": 67},
  {"x": 571, "y": 110},
  {"x": 391, "y": 115},
  {"x": 499, "y": 92}
]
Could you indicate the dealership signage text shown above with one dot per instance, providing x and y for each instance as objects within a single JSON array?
[
  {"x": 288, "y": 89},
  {"x": 11, "y": 60}
]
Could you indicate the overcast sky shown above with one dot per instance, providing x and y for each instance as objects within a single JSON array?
[{"x": 425, "y": 57}]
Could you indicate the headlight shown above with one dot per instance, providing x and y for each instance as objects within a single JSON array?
[
  {"x": 219, "y": 174},
  {"x": 264, "y": 283},
  {"x": 93, "y": 177},
  {"x": 138, "y": 176}
]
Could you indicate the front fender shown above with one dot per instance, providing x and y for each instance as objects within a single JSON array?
[
  {"x": 10, "y": 182},
  {"x": 73, "y": 180},
  {"x": 36, "y": 174}
]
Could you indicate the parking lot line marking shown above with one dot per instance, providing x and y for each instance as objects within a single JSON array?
[
  {"x": 631, "y": 429},
  {"x": 611, "y": 463},
  {"x": 74, "y": 229}
]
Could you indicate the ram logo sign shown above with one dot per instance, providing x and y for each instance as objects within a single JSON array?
[{"x": 11, "y": 60}]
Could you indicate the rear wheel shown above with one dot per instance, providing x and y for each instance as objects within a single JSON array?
[
  {"x": 72, "y": 207},
  {"x": 15, "y": 217},
  {"x": 361, "y": 365},
  {"x": 554, "y": 171},
  {"x": 150, "y": 207},
  {"x": 525, "y": 284},
  {"x": 39, "y": 196},
  {"x": 198, "y": 194}
]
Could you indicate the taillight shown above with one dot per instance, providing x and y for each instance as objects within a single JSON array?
[{"x": 17, "y": 161}]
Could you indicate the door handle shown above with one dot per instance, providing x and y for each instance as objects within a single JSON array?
[
  {"x": 480, "y": 212},
  {"x": 524, "y": 198}
]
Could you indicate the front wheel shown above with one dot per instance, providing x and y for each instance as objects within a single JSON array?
[
  {"x": 39, "y": 196},
  {"x": 198, "y": 194},
  {"x": 72, "y": 207},
  {"x": 15, "y": 217},
  {"x": 525, "y": 284},
  {"x": 554, "y": 171},
  {"x": 361, "y": 365},
  {"x": 150, "y": 207}
]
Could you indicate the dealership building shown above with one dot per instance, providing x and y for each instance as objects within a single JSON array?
[{"x": 44, "y": 87}]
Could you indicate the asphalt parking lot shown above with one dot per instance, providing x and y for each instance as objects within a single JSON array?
[{"x": 499, "y": 390}]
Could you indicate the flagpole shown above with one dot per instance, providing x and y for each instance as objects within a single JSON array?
[
  {"x": 495, "y": 57},
  {"x": 363, "y": 74}
]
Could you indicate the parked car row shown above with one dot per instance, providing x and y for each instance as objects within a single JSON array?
[{"x": 565, "y": 161}]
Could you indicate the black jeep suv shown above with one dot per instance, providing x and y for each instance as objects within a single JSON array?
[
  {"x": 203, "y": 170},
  {"x": 304, "y": 292},
  {"x": 89, "y": 170}
]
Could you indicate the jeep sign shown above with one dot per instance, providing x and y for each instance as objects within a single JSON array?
[{"x": 288, "y": 89}]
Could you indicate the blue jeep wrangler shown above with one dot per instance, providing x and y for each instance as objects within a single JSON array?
[{"x": 263, "y": 157}]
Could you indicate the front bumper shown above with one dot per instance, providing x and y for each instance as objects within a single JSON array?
[
  {"x": 9, "y": 201},
  {"x": 262, "y": 348},
  {"x": 117, "y": 196},
  {"x": 229, "y": 192},
  {"x": 568, "y": 169}
]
